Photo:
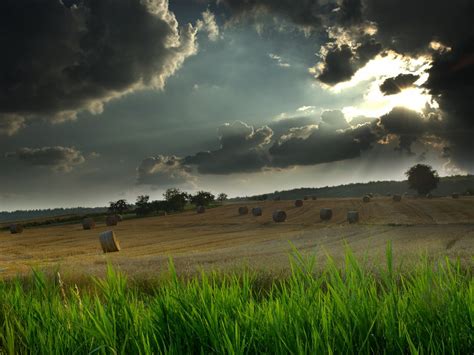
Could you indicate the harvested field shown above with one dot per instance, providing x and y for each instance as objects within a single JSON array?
[{"x": 221, "y": 238}]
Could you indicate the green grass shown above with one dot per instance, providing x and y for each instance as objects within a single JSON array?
[{"x": 337, "y": 310}]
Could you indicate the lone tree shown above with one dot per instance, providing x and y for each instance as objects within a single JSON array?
[
  {"x": 422, "y": 178},
  {"x": 222, "y": 197},
  {"x": 120, "y": 206}
]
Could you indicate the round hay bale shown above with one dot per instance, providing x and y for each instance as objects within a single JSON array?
[
  {"x": 277, "y": 198},
  {"x": 325, "y": 214},
  {"x": 314, "y": 198},
  {"x": 200, "y": 209},
  {"x": 111, "y": 220},
  {"x": 306, "y": 198},
  {"x": 455, "y": 195},
  {"x": 257, "y": 211},
  {"x": 161, "y": 213},
  {"x": 397, "y": 198},
  {"x": 108, "y": 242},
  {"x": 366, "y": 198},
  {"x": 299, "y": 203},
  {"x": 16, "y": 229},
  {"x": 88, "y": 223},
  {"x": 243, "y": 210},
  {"x": 353, "y": 216},
  {"x": 371, "y": 195},
  {"x": 279, "y": 216}
]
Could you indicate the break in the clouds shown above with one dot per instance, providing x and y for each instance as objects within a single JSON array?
[
  {"x": 163, "y": 171},
  {"x": 63, "y": 57},
  {"x": 58, "y": 158}
]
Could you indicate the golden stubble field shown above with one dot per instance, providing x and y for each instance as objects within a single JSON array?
[{"x": 221, "y": 239}]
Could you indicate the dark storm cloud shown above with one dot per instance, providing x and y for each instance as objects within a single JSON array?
[
  {"x": 245, "y": 149},
  {"x": 58, "y": 60},
  {"x": 342, "y": 62},
  {"x": 337, "y": 65},
  {"x": 408, "y": 26},
  {"x": 395, "y": 85},
  {"x": 406, "y": 124},
  {"x": 58, "y": 158},
  {"x": 333, "y": 140},
  {"x": 242, "y": 149},
  {"x": 451, "y": 82}
]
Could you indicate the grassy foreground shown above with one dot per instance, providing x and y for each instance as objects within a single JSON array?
[{"x": 337, "y": 310}]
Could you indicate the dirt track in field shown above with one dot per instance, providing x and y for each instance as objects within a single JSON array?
[{"x": 220, "y": 238}]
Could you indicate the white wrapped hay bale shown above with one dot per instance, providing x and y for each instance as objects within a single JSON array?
[
  {"x": 325, "y": 214},
  {"x": 279, "y": 216},
  {"x": 108, "y": 242},
  {"x": 353, "y": 216}
]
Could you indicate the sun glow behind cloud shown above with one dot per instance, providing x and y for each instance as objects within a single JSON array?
[
  {"x": 385, "y": 66},
  {"x": 375, "y": 103}
]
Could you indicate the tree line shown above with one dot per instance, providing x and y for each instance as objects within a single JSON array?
[{"x": 174, "y": 200}]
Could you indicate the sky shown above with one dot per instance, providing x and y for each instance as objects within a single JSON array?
[{"x": 108, "y": 99}]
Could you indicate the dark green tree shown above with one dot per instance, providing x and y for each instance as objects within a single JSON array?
[
  {"x": 119, "y": 207},
  {"x": 202, "y": 198},
  {"x": 176, "y": 199},
  {"x": 222, "y": 197},
  {"x": 422, "y": 178},
  {"x": 143, "y": 207}
]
